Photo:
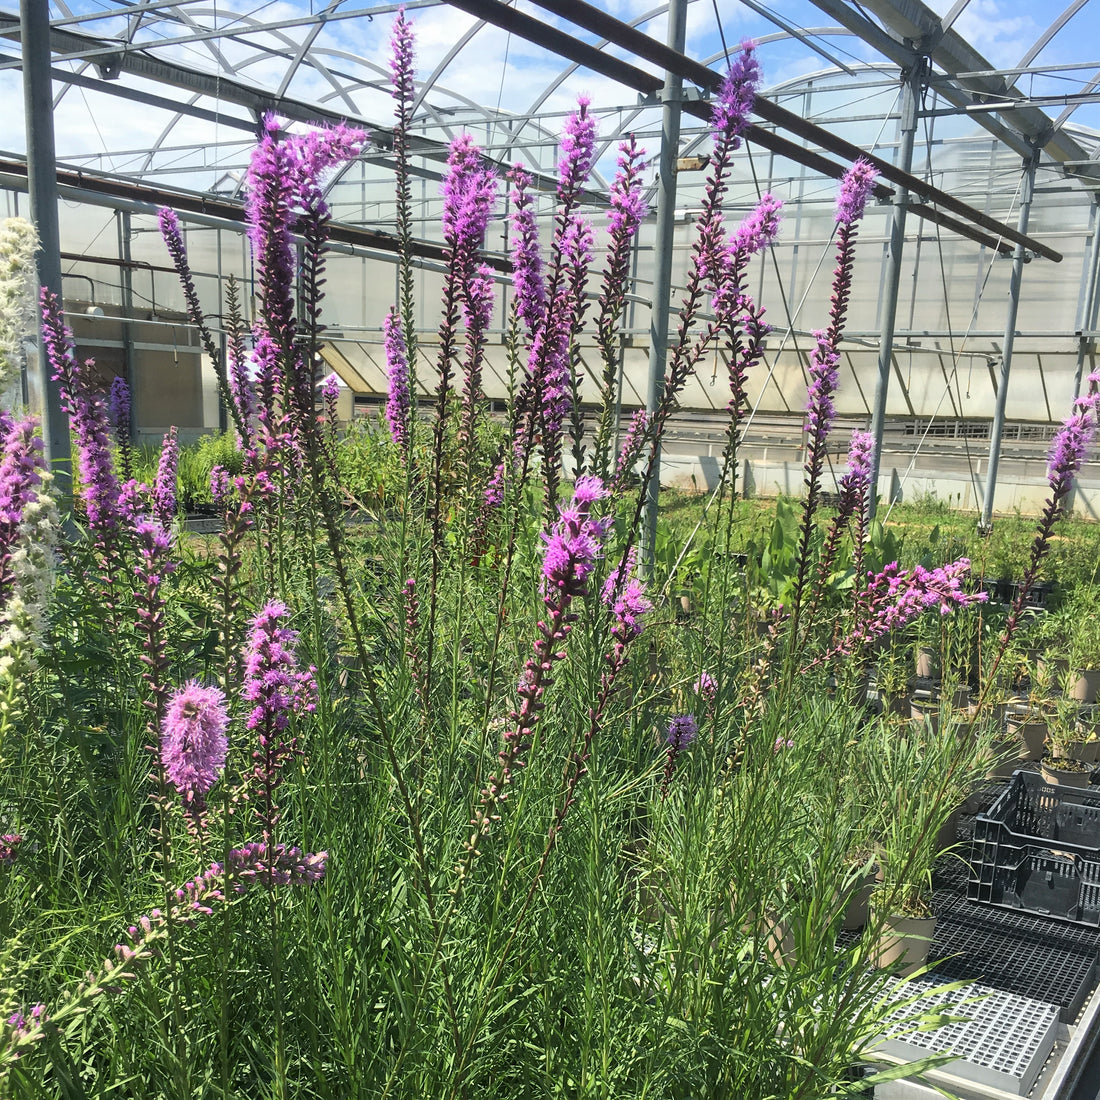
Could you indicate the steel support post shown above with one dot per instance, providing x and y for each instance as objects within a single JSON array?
[
  {"x": 1091, "y": 299},
  {"x": 1019, "y": 258},
  {"x": 672, "y": 96},
  {"x": 911, "y": 89},
  {"x": 34, "y": 19},
  {"x": 125, "y": 236}
]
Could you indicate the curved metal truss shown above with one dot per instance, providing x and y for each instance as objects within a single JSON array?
[
  {"x": 226, "y": 62},
  {"x": 157, "y": 97}
]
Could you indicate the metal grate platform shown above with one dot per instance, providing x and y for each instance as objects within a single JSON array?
[
  {"x": 1027, "y": 955},
  {"x": 1002, "y": 1043}
]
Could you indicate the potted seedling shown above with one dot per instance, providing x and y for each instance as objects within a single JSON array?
[
  {"x": 1027, "y": 721},
  {"x": 914, "y": 786},
  {"x": 1074, "y": 750},
  {"x": 1084, "y": 644},
  {"x": 892, "y": 681}
]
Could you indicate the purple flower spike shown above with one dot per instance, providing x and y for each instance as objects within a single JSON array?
[
  {"x": 856, "y": 483},
  {"x": 164, "y": 487},
  {"x": 824, "y": 363},
  {"x": 469, "y": 194},
  {"x": 824, "y": 379},
  {"x": 625, "y": 596},
  {"x": 118, "y": 403},
  {"x": 578, "y": 144},
  {"x": 527, "y": 278},
  {"x": 219, "y": 485},
  {"x": 855, "y": 189},
  {"x": 21, "y": 467},
  {"x": 88, "y": 415},
  {"x": 402, "y": 41},
  {"x": 398, "y": 404},
  {"x": 274, "y": 684},
  {"x": 733, "y": 105},
  {"x": 628, "y": 208},
  {"x": 760, "y": 228},
  {"x": 1069, "y": 449},
  {"x": 631, "y": 448},
  {"x": 682, "y": 730},
  {"x": 572, "y": 550},
  {"x": 276, "y": 688},
  {"x": 193, "y": 743},
  {"x": 706, "y": 687},
  {"x": 895, "y": 597}
]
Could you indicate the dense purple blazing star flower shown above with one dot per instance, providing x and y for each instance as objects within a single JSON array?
[
  {"x": 628, "y": 208},
  {"x": 164, "y": 487},
  {"x": 399, "y": 401},
  {"x": 22, "y": 465},
  {"x": 578, "y": 145},
  {"x": 824, "y": 364},
  {"x": 469, "y": 195},
  {"x": 577, "y": 243},
  {"x": 494, "y": 490},
  {"x": 527, "y": 278},
  {"x": 401, "y": 62},
  {"x": 1069, "y": 449},
  {"x": 88, "y": 416},
  {"x": 118, "y": 403},
  {"x": 731, "y": 117},
  {"x": 760, "y": 227},
  {"x": 274, "y": 685},
  {"x": 572, "y": 550},
  {"x": 757, "y": 231},
  {"x": 861, "y": 457},
  {"x": 855, "y": 491},
  {"x": 625, "y": 595},
  {"x": 240, "y": 385},
  {"x": 735, "y": 98},
  {"x": 706, "y": 687},
  {"x": 274, "y": 865},
  {"x": 193, "y": 743},
  {"x": 573, "y": 547},
  {"x": 855, "y": 189},
  {"x": 896, "y": 596},
  {"x": 284, "y": 178},
  {"x": 824, "y": 379},
  {"x": 631, "y": 449},
  {"x": 276, "y": 688},
  {"x": 682, "y": 730},
  {"x": 219, "y": 485},
  {"x": 477, "y": 307}
]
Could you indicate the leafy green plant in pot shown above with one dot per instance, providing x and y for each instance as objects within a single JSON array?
[
  {"x": 1073, "y": 752},
  {"x": 1084, "y": 644},
  {"x": 914, "y": 786},
  {"x": 892, "y": 680},
  {"x": 1027, "y": 721}
]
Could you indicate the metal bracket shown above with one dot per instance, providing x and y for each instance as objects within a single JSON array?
[
  {"x": 110, "y": 66},
  {"x": 690, "y": 94}
]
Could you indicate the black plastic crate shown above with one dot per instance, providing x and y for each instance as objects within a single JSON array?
[{"x": 1037, "y": 848}]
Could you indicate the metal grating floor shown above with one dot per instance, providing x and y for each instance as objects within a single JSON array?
[
  {"x": 1027, "y": 955},
  {"x": 1002, "y": 1043}
]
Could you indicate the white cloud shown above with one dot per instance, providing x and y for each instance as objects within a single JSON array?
[{"x": 1002, "y": 37}]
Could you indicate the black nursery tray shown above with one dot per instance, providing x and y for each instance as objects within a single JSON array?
[{"x": 1037, "y": 849}]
